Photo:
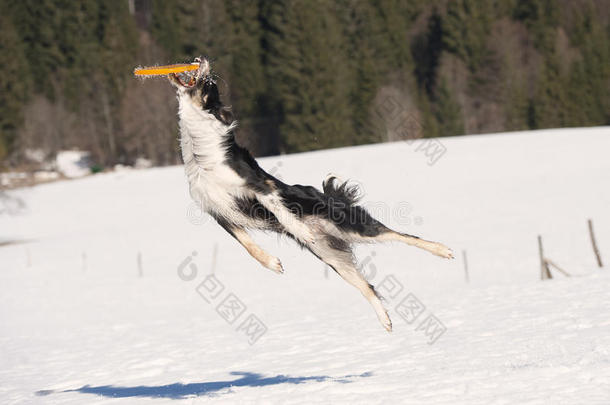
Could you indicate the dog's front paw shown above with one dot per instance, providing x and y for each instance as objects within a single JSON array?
[
  {"x": 442, "y": 251},
  {"x": 273, "y": 263},
  {"x": 385, "y": 321}
]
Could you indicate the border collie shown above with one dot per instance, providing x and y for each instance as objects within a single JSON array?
[{"x": 229, "y": 184}]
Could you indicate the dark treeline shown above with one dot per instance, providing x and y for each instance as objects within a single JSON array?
[{"x": 303, "y": 74}]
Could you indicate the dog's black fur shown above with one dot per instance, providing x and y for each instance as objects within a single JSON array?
[{"x": 240, "y": 195}]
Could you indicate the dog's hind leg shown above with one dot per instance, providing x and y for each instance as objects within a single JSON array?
[
  {"x": 366, "y": 229},
  {"x": 338, "y": 255},
  {"x": 264, "y": 258},
  {"x": 433, "y": 247}
]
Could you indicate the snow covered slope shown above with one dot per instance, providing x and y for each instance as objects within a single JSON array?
[{"x": 116, "y": 290}]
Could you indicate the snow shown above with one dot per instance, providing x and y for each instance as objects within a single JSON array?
[
  {"x": 94, "y": 309},
  {"x": 73, "y": 163}
]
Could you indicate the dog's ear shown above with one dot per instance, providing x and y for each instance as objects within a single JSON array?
[{"x": 226, "y": 115}]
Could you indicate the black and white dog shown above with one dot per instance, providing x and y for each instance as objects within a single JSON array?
[{"x": 226, "y": 180}]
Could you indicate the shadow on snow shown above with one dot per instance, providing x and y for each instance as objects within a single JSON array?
[{"x": 177, "y": 390}]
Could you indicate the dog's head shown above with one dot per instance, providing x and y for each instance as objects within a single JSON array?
[{"x": 199, "y": 88}]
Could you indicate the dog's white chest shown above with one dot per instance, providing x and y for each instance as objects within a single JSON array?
[
  {"x": 212, "y": 182},
  {"x": 216, "y": 189}
]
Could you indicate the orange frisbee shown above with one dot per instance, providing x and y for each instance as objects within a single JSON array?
[{"x": 165, "y": 69}]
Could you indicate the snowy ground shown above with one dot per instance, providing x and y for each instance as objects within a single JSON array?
[{"x": 93, "y": 310}]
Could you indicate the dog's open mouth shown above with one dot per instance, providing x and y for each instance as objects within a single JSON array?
[
  {"x": 190, "y": 77},
  {"x": 186, "y": 79}
]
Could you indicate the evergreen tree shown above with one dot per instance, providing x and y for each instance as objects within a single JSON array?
[
  {"x": 14, "y": 84},
  {"x": 362, "y": 29},
  {"x": 541, "y": 18},
  {"x": 447, "y": 112},
  {"x": 246, "y": 76},
  {"x": 427, "y": 49},
  {"x": 549, "y": 104},
  {"x": 307, "y": 64},
  {"x": 304, "y": 75},
  {"x": 589, "y": 83},
  {"x": 36, "y": 23},
  {"x": 466, "y": 28}
]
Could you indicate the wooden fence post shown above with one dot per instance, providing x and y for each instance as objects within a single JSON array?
[
  {"x": 594, "y": 243},
  {"x": 545, "y": 273},
  {"x": 552, "y": 263}
]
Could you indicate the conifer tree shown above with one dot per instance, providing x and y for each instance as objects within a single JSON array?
[
  {"x": 465, "y": 30},
  {"x": 14, "y": 85},
  {"x": 306, "y": 74},
  {"x": 447, "y": 112},
  {"x": 307, "y": 64}
]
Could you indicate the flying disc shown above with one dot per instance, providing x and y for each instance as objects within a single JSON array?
[{"x": 165, "y": 69}]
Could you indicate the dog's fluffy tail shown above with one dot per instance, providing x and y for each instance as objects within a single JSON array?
[{"x": 334, "y": 187}]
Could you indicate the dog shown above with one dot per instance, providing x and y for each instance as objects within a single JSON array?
[{"x": 230, "y": 185}]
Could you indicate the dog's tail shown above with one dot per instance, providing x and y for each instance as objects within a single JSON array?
[{"x": 334, "y": 187}]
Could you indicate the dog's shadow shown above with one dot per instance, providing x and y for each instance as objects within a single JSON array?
[{"x": 178, "y": 391}]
